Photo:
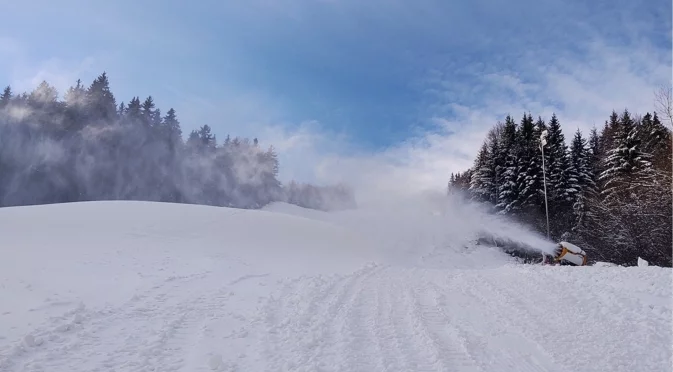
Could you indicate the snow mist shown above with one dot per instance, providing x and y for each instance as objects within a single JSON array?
[{"x": 433, "y": 220}]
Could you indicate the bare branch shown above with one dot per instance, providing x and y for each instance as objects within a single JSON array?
[{"x": 664, "y": 103}]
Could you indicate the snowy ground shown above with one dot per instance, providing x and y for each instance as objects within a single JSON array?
[{"x": 124, "y": 286}]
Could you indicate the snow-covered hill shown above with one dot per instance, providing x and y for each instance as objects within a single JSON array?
[{"x": 131, "y": 286}]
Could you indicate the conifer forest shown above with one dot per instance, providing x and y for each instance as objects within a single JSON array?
[
  {"x": 608, "y": 191},
  {"x": 89, "y": 146}
]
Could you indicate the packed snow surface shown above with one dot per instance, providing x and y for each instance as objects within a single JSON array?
[{"x": 131, "y": 286}]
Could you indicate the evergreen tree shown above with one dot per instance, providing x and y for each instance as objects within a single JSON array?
[
  {"x": 493, "y": 163},
  {"x": 610, "y": 194},
  {"x": 207, "y": 139},
  {"x": 88, "y": 148},
  {"x": 655, "y": 139},
  {"x": 507, "y": 157},
  {"x": 102, "y": 107},
  {"x": 626, "y": 165},
  {"x": 171, "y": 128},
  {"x": 580, "y": 170},
  {"x": 560, "y": 188},
  {"x": 44, "y": 94},
  {"x": 608, "y": 134},
  {"x": 561, "y": 181},
  {"x": 624, "y": 223},
  {"x": 595, "y": 154},
  {"x": 580, "y": 155},
  {"x": 147, "y": 111},
  {"x": 481, "y": 184},
  {"x": 133, "y": 112},
  {"x": 529, "y": 172},
  {"x": 6, "y": 97}
]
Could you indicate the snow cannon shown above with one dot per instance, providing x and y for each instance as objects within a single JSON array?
[{"x": 568, "y": 253}]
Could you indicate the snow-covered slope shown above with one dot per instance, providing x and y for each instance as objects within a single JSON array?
[{"x": 131, "y": 286}]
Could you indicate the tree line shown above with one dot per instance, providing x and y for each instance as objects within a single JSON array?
[
  {"x": 87, "y": 147},
  {"x": 609, "y": 192}
]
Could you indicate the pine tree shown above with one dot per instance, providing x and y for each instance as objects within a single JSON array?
[
  {"x": 595, "y": 155},
  {"x": 46, "y": 110},
  {"x": 655, "y": 139},
  {"x": 121, "y": 110},
  {"x": 507, "y": 190},
  {"x": 611, "y": 194},
  {"x": 6, "y": 97},
  {"x": 628, "y": 186},
  {"x": 133, "y": 112},
  {"x": 493, "y": 164},
  {"x": 626, "y": 165},
  {"x": 101, "y": 101},
  {"x": 208, "y": 140},
  {"x": 481, "y": 183},
  {"x": 76, "y": 96},
  {"x": 580, "y": 156},
  {"x": 561, "y": 181},
  {"x": 125, "y": 160},
  {"x": 147, "y": 111},
  {"x": 171, "y": 128},
  {"x": 529, "y": 179},
  {"x": 156, "y": 120},
  {"x": 43, "y": 94},
  {"x": 194, "y": 141},
  {"x": 608, "y": 134}
]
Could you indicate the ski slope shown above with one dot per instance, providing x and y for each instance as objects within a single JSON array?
[{"x": 134, "y": 286}]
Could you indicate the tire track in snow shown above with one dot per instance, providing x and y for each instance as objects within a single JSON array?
[
  {"x": 356, "y": 327},
  {"x": 302, "y": 336},
  {"x": 450, "y": 351},
  {"x": 144, "y": 334},
  {"x": 630, "y": 330},
  {"x": 398, "y": 321},
  {"x": 508, "y": 341},
  {"x": 376, "y": 319},
  {"x": 287, "y": 314},
  {"x": 420, "y": 331},
  {"x": 385, "y": 334}
]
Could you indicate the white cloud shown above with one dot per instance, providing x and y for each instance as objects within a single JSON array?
[
  {"x": 25, "y": 74},
  {"x": 59, "y": 74},
  {"x": 581, "y": 90}
]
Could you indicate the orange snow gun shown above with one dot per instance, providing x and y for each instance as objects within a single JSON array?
[{"x": 571, "y": 254}]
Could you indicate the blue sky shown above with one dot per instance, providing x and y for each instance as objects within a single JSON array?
[{"x": 345, "y": 89}]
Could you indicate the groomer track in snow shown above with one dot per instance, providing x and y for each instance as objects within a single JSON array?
[{"x": 159, "y": 287}]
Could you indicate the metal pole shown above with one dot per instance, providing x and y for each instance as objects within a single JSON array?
[
  {"x": 543, "y": 141},
  {"x": 544, "y": 182}
]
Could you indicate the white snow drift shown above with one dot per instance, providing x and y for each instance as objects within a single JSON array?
[{"x": 131, "y": 286}]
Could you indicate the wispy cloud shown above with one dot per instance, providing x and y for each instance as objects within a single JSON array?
[
  {"x": 581, "y": 89},
  {"x": 323, "y": 80}
]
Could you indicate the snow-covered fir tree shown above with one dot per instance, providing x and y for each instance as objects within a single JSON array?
[
  {"x": 128, "y": 151},
  {"x": 580, "y": 157},
  {"x": 507, "y": 157},
  {"x": 483, "y": 176},
  {"x": 610, "y": 192},
  {"x": 529, "y": 181},
  {"x": 626, "y": 165}
]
